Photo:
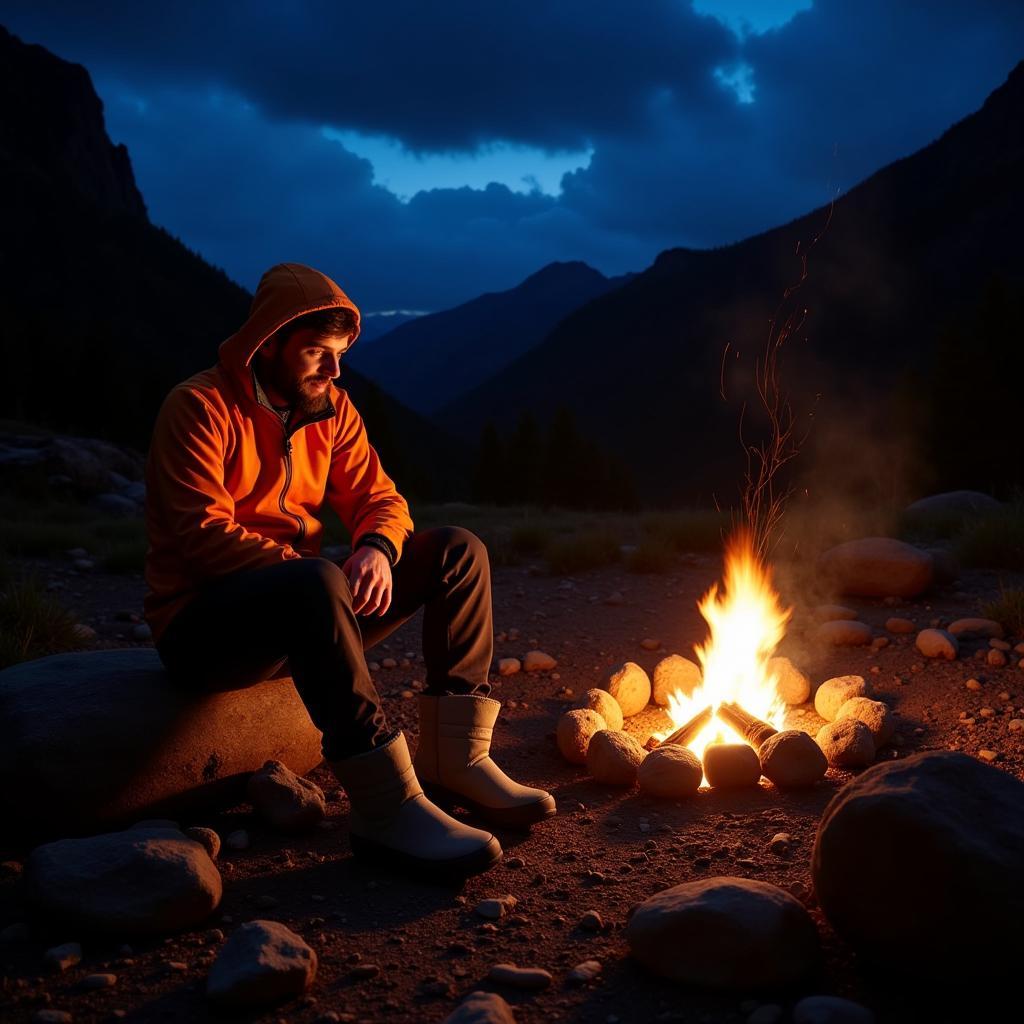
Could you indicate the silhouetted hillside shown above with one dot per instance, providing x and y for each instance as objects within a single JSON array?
[
  {"x": 434, "y": 359},
  {"x": 101, "y": 312},
  {"x": 905, "y": 260}
]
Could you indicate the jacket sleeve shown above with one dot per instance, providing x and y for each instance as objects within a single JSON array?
[
  {"x": 185, "y": 478},
  {"x": 363, "y": 495}
]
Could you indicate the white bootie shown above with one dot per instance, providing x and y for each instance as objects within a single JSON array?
[
  {"x": 392, "y": 820},
  {"x": 454, "y": 764}
]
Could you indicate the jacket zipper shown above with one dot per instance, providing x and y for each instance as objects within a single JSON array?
[{"x": 287, "y": 483}]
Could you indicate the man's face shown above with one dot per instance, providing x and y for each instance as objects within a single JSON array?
[{"x": 301, "y": 370}]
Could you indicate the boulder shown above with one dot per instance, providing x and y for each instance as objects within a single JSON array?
[
  {"x": 261, "y": 962},
  {"x": 674, "y": 674},
  {"x": 953, "y": 505},
  {"x": 725, "y": 933},
  {"x": 671, "y": 771},
  {"x": 108, "y": 737},
  {"x": 630, "y": 685},
  {"x": 877, "y": 567},
  {"x": 847, "y": 743},
  {"x": 917, "y": 864},
  {"x": 145, "y": 880}
]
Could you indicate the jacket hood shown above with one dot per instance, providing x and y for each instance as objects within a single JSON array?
[{"x": 285, "y": 291}]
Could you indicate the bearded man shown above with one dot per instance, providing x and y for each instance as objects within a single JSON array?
[{"x": 242, "y": 458}]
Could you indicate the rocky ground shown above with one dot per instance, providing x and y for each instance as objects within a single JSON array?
[{"x": 392, "y": 949}]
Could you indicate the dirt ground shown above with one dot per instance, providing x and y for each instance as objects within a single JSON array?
[{"x": 607, "y": 849}]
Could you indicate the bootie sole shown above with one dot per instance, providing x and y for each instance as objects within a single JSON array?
[
  {"x": 468, "y": 864},
  {"x": 511, "y": 817}
]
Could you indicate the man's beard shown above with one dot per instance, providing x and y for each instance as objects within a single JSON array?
[{"x": 303, "y": 397}]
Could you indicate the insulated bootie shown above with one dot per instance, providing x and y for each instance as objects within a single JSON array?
[
  {"x": 391, "y": 820},
  {"x": 454, "y": 764}
]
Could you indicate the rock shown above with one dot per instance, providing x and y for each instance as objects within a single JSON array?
[
  {"x": 917, "y": 864},
  {"x": 781, "y": 844},
  {"x": 675, "y": 674},
  {"x": 671, "y": 772},
  {"x": 953, "y": 506},
  {"x": 583, "y": 972},
  {"x": 791, "y": 684},
  {"x": 142, "y": 632},
  {"x": 207, "y": 838},
  {"x": 538, "y": 661},
  {"x": 630, "y": 686},
  {"x": 614, "y": 757},
  {"x": 508, "y": 666},
  {"x": 107, "y": 736},
  {"x": 60, "y": 958},
  {"x": 731, "y": 765},
  {"x": 519, "y": 977},
  {"x": 495, "y": 908},
  {"x": 261, "y": 962},
  {"x": 142, "y": 881},
  {"x": 738, "y": 934},
  {"x": 847, "y": 743},
  {"x": 877, "y": 567},
  {"x": 833, "y": 613},
  {"x": 482, "y": 1008},
  {"x": 605, "y": 705},
  {"x": 591, "y": 921},
  {"x": 792, "y": 759},
  {"x": 874, "y": 714},
  {"x": 831, "y": 1010},
  {"x": 937, "y": 643},
  {"x": 284, "y": 800},
  {"x": 49, "y": 1016},
  {"x": 834, "y": 693},
  {"x": 898, "y": 625},
  {"x": 92, "y": 982},
  {"x": 843, "y": 633},
  {"x": 615, "y": 599},
  {"x": 575, "y": 731},
  {"x": 84, "y": 634},
  {"x": 650, "y": 644},
  {"x": 977, "y": 629}
]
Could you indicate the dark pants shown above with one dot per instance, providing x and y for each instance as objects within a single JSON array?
[{"x": 241, "y": 627}]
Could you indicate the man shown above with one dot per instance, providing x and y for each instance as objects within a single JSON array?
[{"x": 242, "y": 457}]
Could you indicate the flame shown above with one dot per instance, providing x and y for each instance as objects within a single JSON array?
[{"x": 746, "y": 623}]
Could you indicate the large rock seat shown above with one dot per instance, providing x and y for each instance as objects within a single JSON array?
[{"x": 100, "y": 738}]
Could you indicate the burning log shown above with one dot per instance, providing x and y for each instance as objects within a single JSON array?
[
  {"x": 685, "y": 733},
  {"x": 752, "y": 729}
]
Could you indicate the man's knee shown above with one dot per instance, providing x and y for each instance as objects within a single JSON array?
[
  {"x": 463, "y": 544},
  {"x": 319, "y": 578}
]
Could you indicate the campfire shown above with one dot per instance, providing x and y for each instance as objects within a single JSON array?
[{"x": 737, "y": 700}]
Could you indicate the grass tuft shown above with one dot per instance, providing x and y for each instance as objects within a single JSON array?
[
  {"x": 1007, "y": 608},
  {"x": 32, "y": 624}
]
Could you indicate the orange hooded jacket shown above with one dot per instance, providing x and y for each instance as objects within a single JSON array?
[{"x": 229, "y": 486}]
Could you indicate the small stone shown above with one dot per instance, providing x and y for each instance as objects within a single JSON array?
[
  {"x": 874, "y": 714},
  {"x": 1016, "y": 725},
  {"x": 479, "y": 1008},
  {"x": 591, "y": 921},
  {"x": 60, "y": 958},
  {"x": 976, "y": 629},
  {"x": 731, "y": 765},
  {"x": 508, "y": 666},
  {"x": 650, "y": 644},
  {"x": 834, "y": 693},
  {"x": 988, "y": 756},
  {"x": 576, "y": 729},
  {"x": 844, "y": 633},
  {"x": 630, "y": 685},
  {"x": 834, "y": 613},
  {"x": 84, "y": 634},
  {"x": 237, "y": 840},
  {"x": 614, "y": 757},
  {"x": 538, "y": 661},
  {"x": 898, "y": 625},
  {"x": 973, "y": 684},
  {"x": 1000, "y": 645},
  {"x": 996, "y": 658},
  {"x": 831, "y": 1010},
  {"x": 97, "y": 981},
  {"x": 792, "y": 759},
  {"x": 495, "y": 908},
  {"x": 605, "y": 705},
  {"x": 519, "y": 977},
  {"x": 51, "y": 1016},
  {"x": 583, "y": 972},
  {"x": 937, "y": 643},
  {"x": 363, "y": 972}
]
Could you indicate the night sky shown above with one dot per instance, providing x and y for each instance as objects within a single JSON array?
[{"x": 422, "y": 153}]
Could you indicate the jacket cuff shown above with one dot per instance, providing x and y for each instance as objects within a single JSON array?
[{"x": 381, "y": 543}]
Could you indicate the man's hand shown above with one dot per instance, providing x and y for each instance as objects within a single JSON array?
[{"x": 369, "y": 576}]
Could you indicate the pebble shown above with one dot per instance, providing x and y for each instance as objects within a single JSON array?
[
  {"x": 583, "y": 972},
  {"x": 591, "y": 921},
  {"x": 988, "y": 756},
  {"x": 650, "y": 644},
  {"x": 388, "y": 663},
  {"x": 361, "y": 972},
  {"x": 520, "y": 977},
  {"x": 996, "y": 658},
  {"x": 976, "y": 629},
  {"x": 495, "y": 908},
  {"x": 834, "y": 693},
  {"x": 538, "y": 661},
  {"x": 60, "y": 958},
  {"x": 96, "y": 981},
  {"x": 477, "y": 1008},
  {"x": 508, "y": 666},
  {"x": 781, "y": 843},
  {"x": 937, "y": 643},
  {"x": 898, "y": 625},
  {"x": 237, "y": 840},
  {"x": 973, "y": 684},
  {"x": 999, "y": 645},
  {"x": 844, "y": 633}
]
